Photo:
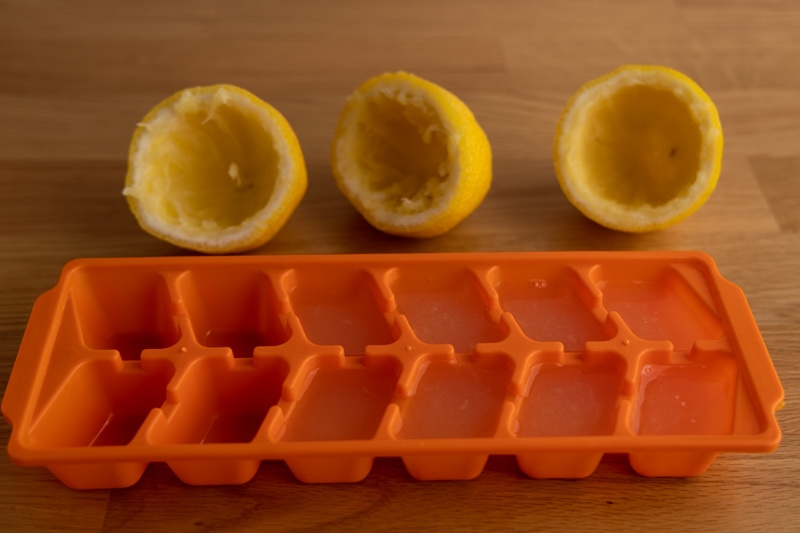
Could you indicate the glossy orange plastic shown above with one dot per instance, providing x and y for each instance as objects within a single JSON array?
[{"x": 215, "y": 364}]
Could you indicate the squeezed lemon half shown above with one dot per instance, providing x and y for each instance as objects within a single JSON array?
[
  {"x": 639, "y": 149},
  {"x": 214, "y": 169},
  {"x": 410, "y": 156}
]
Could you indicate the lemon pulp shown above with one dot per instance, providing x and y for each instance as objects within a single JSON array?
[
  {"x": 402, "y": 153},
  {"x": 217, "y": 165},
  {"x": 642, "y": 144}
]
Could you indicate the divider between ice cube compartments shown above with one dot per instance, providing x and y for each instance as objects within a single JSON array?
[
  {"x": 281, "y": 281},
  {"x": 485, "y": 276},
  {"x": 410, "y": 353},
  {"x": 521, "y": 351},
  {"x": 299, "y": 354},
  {"x": 623, "y": 424},
  {"x": 382, "y": 278},
  {"x": 630, "y": 348}
]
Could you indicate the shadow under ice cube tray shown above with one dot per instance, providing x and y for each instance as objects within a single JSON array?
[{"x": 215, "y": 364}]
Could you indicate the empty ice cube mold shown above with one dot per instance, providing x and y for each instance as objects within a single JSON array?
[{"x": 215, "y": 364}]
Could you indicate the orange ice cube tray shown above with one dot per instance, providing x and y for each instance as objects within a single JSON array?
[{"x": 215, "y": 364}]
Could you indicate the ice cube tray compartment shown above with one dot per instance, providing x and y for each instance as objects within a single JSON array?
[
  {"x": 215, "y": 364},
  {"x": 127, "y": 317}
]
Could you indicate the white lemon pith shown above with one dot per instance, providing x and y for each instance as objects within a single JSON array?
[
  {"x": 214, "y": 169},
  {"x": 639, "y": 149}
]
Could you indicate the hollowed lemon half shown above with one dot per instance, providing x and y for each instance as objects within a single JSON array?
[
  {"x": 639, "y": 149},
  {"x": 214, "y": 169},
  {"x": 410, "y": 156}
]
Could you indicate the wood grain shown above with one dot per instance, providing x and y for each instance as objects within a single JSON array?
[{"x": 76, "y": 76}]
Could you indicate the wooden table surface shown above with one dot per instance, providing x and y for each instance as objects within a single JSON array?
[{"x": 75, "y": 77}]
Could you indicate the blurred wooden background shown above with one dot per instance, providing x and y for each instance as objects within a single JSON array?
[{"x": 76, "y": 76}]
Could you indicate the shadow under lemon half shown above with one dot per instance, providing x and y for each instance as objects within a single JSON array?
[
  {"x": 410, "y": 156},
  {"x": 639, "y": 149},
  {"x": 214, "y": 169}
]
